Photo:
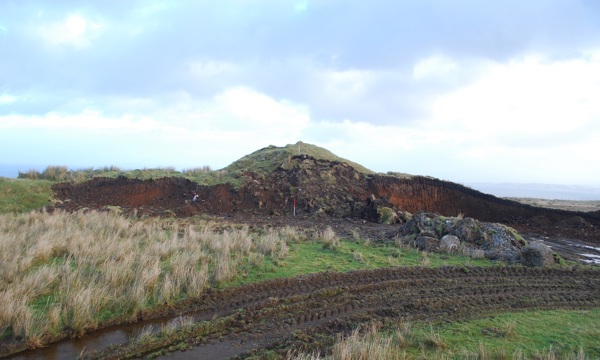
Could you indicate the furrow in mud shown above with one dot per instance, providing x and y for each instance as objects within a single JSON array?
[{"x": 263, "y": 315}]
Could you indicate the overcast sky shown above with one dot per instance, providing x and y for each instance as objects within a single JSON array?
[{"x": 462, "y": 90}]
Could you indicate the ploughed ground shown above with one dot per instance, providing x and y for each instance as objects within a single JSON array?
[
  {"x": 303, "y": 312},
  {"x": 306, "y": 312}
]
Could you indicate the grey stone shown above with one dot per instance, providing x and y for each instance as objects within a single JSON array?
[
  {"x": 449, "y": 243},
  {"x": 537, "y": 254},
  {"x": 427, "y": 243}
]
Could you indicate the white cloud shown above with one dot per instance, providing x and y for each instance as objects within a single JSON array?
[
  {"x": 75, "y": 30},
  {"x": 7, "y": 99},
  {"x": 185, "y": 133},
  {"x": 529, "y": 97},
  {"x": 530, "y": 118},
  {"x": 206, "y": 69},
  {"x": 251, "y": 109},
  {"x": 434, "y": 67},
  {"x": 88, "y": 121},
  {"x": 347, "y": 85}
]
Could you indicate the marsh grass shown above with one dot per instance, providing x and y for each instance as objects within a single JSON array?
[{"x": 75, "y": 271}]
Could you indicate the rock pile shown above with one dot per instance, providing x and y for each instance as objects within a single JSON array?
[{"x": 436, "y": 233}]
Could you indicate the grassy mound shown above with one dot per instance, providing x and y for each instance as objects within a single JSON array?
[
  {"x": 270, "y": 158},
  {"x": 21, "y": 195}
]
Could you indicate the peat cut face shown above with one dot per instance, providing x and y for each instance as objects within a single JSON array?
[
  {"x": 322, "y": 188},
  {"x": 153, "y": 197}
]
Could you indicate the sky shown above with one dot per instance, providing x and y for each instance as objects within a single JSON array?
[{"x": 462, "y": 90}]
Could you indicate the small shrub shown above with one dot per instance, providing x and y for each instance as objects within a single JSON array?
[
  {"x": 477, "y": 254},
  {"x": 329, "y": 238},
  {"x": 433, "y": 339},
  {"x": 55, "y": 173},
  {"x": 387, "y": 215},
  {"x": 425, "y": 260},
  {"x": 30, "y": 174},
  {"x": 510, "y": 329},
  {"x": 197, "y": 170}
]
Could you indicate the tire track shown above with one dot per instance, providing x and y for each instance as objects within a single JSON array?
[{"x": 263, "y": 315}]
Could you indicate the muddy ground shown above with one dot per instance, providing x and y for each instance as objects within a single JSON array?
[{"x": 305, "y": 312}]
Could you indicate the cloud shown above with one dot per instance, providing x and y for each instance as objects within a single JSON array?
[
  {"x": 202, "y": 70},
  {"x": 427, "y": 87},
  {"x": 531, "y": 97},
  {"x": 75, "y": 30},
  {"x": 218, "y": 131},
  {"x": 7, "y": 99}
]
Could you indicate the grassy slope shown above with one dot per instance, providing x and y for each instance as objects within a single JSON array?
[
  {"x": 270, "y": 158},
  {"x": 261, "y": 161},
  {"x": 21, "y": 195}
]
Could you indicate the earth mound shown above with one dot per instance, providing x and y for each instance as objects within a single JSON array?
[{"x": 278, "y": 183}]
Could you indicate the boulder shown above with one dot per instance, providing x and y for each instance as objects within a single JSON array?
[
  {"x": 537, "y": 254},
  {"x": 421, "y": 222},
  {"x": 449, "y": 243},
  {"x": 468, "y": 230},
  {"x": 427, "y": 242}
]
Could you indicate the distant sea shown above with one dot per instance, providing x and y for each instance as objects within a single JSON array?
[
  {"x": 539, "y": 191},
  {"x": 12, "y": 170}
]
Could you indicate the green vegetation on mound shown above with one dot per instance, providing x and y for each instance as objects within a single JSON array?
[
  {"x": 21, "y": 195},
  {"x": 272, "y": 157},
  {"x": 261, "y": 161},
  {"x": 201, "y": 175}
]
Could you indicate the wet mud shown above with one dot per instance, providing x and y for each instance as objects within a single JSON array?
[{"x": 288, "y": 313}]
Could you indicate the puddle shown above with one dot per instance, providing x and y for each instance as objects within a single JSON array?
[
  {"x": 592, "y": 259},
  {"x": 73, "y": 348}
]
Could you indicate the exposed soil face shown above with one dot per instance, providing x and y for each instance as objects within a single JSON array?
[{"x": 324, "y": 190}]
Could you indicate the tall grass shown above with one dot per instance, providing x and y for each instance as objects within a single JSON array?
[
  {"x": 73, "y": 272},
  {"x": 203, "y": 175}
]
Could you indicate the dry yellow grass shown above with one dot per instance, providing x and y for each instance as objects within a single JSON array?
[{"x": 65, "y": 271}]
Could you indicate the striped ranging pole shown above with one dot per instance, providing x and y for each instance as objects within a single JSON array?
[{"x": 294, "y": 206}]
